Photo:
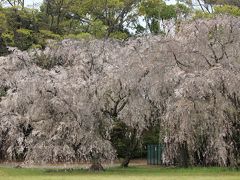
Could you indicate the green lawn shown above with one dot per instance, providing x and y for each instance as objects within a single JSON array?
[{"x": 132, "y": 173}]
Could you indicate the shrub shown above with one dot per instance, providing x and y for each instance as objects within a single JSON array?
[
  {"x": 3, "y": 22},
  {"x": 227, "y": 9},
  {"x": 24, "y": 39},
  {"x": 42, "y": 37},
  {"x": 3, "y": 47},
  {"x": 49, "y": 35},
  {"x": 8, "y": 38},
  {"x": 80, "y": 36},
  {"x": 98, "y": 29},
  {"x": 36, "y": 46},
  {"x": 3, "y": 91},
  {"x": 119, "y": 35},
  {"x": 48, "y": 61},
  {"x": 199, "y": 15}
]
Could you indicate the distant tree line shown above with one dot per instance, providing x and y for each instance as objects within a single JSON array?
[{"x": 26, "y": 28}]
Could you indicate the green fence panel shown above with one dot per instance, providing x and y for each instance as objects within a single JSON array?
[{"x": 154, "y": 154}]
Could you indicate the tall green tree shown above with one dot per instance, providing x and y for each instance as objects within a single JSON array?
[
  {"x": 155, "y": 12},
  {"x": 3, "y": 27},
  {"x": 14, "y": 3},
  {"x": 55, "y": 12},
  {"x": 115, "y": 15}
]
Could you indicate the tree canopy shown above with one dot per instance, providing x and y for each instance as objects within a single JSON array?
[
  {"x": 95, "y": 80},
  {"x": 89, "y": 100},
  {"x": 89, "y": 19}
]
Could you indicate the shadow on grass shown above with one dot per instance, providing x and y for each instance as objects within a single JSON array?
[
  {"x": 150, "y": 171},
  {"x": 118, "y": 171}
]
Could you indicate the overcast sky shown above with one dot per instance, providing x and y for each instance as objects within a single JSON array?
[{"x": 30, "y": 2}]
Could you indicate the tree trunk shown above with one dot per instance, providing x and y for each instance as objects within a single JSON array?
[
  {"x": 132, "y": 145},
  {"x": 52, "y": 21},
  {"x": 184, "y": 157},
  {"x": 126, "y": 162},
  {"x": 96, "y": 165}
]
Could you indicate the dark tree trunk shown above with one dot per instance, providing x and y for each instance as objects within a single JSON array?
[
  {"x": 52, "y": 21},
  {"x": 96, "y": 167},
  {"x": 183, "y": 156},
  {"x": 96, "y": 164},
  {"x": 126, "y": 162},
  {"x": 132, "y": 146}
]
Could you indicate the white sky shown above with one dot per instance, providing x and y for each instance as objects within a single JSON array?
[{"x": 30, "y": 2}]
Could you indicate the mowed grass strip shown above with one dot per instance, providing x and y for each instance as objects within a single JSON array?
[{"x": 131, "y": 173}]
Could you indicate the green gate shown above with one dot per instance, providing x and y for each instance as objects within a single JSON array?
[{"x": 154, "y": 154}]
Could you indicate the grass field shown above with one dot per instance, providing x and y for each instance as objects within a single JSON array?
[{"x": 132, "y": 173}]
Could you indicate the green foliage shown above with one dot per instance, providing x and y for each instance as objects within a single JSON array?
[
  {"x": 227, "y": 9},
  {"x": 3, "y": 91},
  {"x": 119, "y": 139},
  {"x": 48, "y": 61},
  {"x": 109, "y": 16},
  {"x": 8, "y": 38},
  {"x": 41, "y": 38},
  {"x": 156, "y": 11},
  {"x": 80, "y": 36},
  {"x": 119, "y": 35},
  {"x": 86, "y": 19},
  {"x": 20, "y": 19},
  {"x": 3, "y": 27},
  {"x": 154, "y": 27},
  {"x": 3, "y": 22},
  {"x": 24, "y": 39},
  {"x": 224, "y": 9},
  {"x": 45, "y": 35},
  {"x": 152, "y": 8},
  {"x": 182, "y": 9},
  {"x": 21, "y": 29},
  {"x": 98, "y": 29},
  {"x": 36, "y": 46},
  {"x": 24, "y": 32},
  {"x": 168, "y": 12},
  {"x": 151, "y": 136},
  {"x": 122, "y": 142},
  {"x": 139, "y": 29},
  {"x": 50, "y": 35},
  {"x": 202, "y": 15},
  {"x": 3, "y": 48}
]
